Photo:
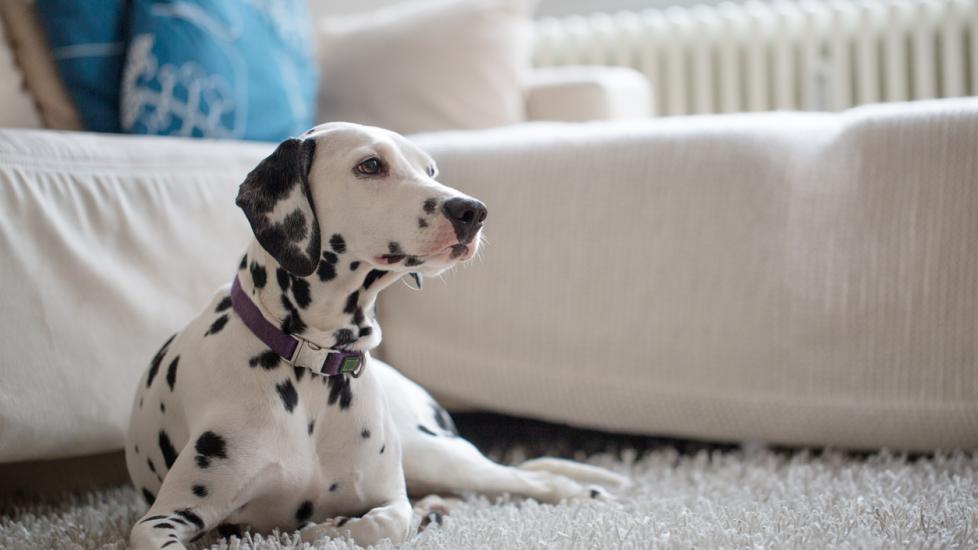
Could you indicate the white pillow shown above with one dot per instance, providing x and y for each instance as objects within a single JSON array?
[{"x": 427, "y": 65}]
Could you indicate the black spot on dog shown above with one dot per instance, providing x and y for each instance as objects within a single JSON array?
[
  {"x": 190, "y": 516},
  {"x": 351, "y": 302},
  {"x": 413, "y": 261},
  {"x": 228, "y": 530},
  {"x": 395, "y": 258},
  {"x": 365, "y": 433},
  {"x": 223, "y": 305},
  {"x": 342, "y": 522},
  {"x": 209, "y": 446},
  {"x": 425, "y": 430},
  {"x": 288, "y": 394},
  {"x": 267, "y": 360},
  {"x": 457, "y": 250},
  {"x": 339, "y": 390},
  {"x": 199, "y": 490},
  {"x": 444, "y": 419},
  {"x": 429, "y": 205},
  {"x": 217, "y": 325},
  {"x": 312, "y": 426},
  {"x": 358, "y": 317},
  {"x": 595, "y": 493},
  {"x": 178, "y": 521},
  {"x": 344, "y": 337},
  {"x": 366, "y": 331},
  {"x": 162, "y": 407},
  {"x": 300, "y": 291},
  {"x": 136, "y": 448},
  {"x": 292, "y": 323},
  {"x": 326, "y": 271},
  {"x": 395, "y": 249},
  {"x": 334, "y": 487},
  {"x": 140, "y": 402},
  {"x": 168, "y": 543},
  {"x": 152, "y": 467},
  {"x": 299, "y": 373},
  {"x": 154, "y": 365},
  {"x": 330, "y": 258},
  {"x": 171, "y": 372},
  {"x": 295, "y": 226},
  {"x": 338, "y": 243},
  {"x": 258, "y": 275},
  {"x": 421, "y": 223},
  {"x": 163, "y": 525},
  {"x": 354, "y": 266},
  {"x": 283, "y": 278},
  {"x": 372, "y": 277},
  {"x": 304, "y": 512},
  {"x": 167, "y": 450},
  {"x": 244, "y": 262},
  {"x": 382, "y": 447},
  {"x": 152, "y": 518}
]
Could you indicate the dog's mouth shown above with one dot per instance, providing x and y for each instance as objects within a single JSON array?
[{"x": 454, "y": 252}]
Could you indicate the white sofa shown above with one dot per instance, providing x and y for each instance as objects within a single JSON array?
[{"x": 792, "y": 278}]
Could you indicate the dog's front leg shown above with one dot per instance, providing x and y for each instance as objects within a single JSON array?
[
  {"x": 207, "y": 482},
  {"x": 391, "y": 521}
]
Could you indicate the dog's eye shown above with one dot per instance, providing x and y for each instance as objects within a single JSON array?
[{"x": 370, "y": 167}]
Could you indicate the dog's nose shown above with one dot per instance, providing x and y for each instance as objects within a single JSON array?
[{"x": 466, "y": 216}]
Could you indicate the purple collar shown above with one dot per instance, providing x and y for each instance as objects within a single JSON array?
[{"x": 296, "y": 351}]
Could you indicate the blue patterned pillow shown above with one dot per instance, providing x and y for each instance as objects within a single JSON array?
[
  {"x": 216, "y": 68},
  {"x": 88, "y": 43}
]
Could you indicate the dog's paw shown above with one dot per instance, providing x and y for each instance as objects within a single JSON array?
[
  {"x": 430, "y": 509},
  {"x": 313, "y": 532},
  {"x": 582, "y": 473}
]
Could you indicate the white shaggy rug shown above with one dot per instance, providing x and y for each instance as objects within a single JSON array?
[{"x": 741, "y": 498}]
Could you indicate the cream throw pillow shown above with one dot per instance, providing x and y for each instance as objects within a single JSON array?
[{"x": 427, "y": 65}]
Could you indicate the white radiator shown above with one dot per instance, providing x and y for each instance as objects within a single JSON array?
[{"x": 758, "y": 56}]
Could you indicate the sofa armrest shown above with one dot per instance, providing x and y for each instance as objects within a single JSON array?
[{"x": 585, "y": 93}]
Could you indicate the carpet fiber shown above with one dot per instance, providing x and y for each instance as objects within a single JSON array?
[{"x": 706, "y": 497}]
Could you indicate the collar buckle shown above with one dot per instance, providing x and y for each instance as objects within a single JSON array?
[{"x": 326, "y": 361}]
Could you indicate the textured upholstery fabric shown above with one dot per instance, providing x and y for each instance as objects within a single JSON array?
[
  {"x": 795, "y": 278},
  {"x": 109, "y": 244}
]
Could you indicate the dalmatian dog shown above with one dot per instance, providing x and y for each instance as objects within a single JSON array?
[{"x": 267, "y": 410}]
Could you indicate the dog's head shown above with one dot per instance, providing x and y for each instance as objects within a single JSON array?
[{"x": 346, "y": 188}]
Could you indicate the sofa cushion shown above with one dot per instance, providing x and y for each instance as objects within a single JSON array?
[
  {"x": 109, "y": 244},
  {"x": 208, "y": 68},
  {"x": 427, "y": 65}
]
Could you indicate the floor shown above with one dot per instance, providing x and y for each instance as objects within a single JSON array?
[{"x": 686, "y": 494}]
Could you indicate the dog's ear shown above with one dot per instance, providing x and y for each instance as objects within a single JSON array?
[{"x": 276, "y": 199}]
